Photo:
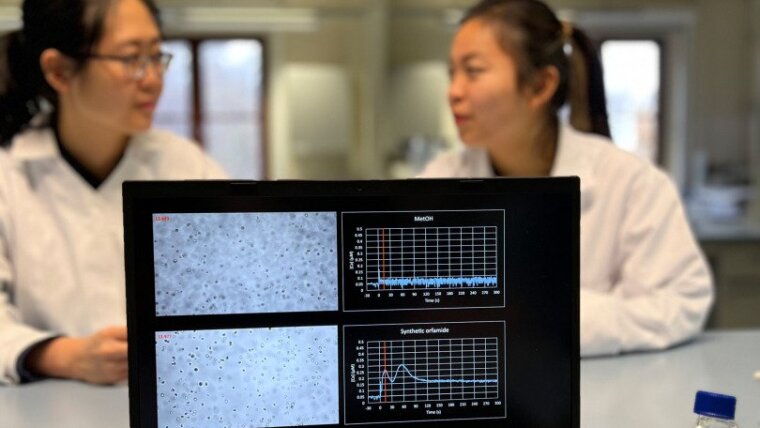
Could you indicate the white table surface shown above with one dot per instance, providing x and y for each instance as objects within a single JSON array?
[
  {"x": 638, "y": 391},
  {"x": 656, "y": 389}
]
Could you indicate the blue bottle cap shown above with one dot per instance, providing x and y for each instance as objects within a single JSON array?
[{"x": 715, "y": 405}]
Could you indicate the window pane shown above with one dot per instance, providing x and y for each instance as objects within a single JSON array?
[
  {"x": 174, "y": 111},
  {"x": 231, "y": 79},
  {"x": 632, "y": 84}
]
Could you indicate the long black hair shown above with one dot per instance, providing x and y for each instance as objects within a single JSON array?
[
  {"x": 531, "y": 32},
  {"x": 73, "y": 27}
]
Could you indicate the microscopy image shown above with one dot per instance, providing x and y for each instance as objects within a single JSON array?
[
  {"x": 263, "y": 377},
  {"x": 232, "y": 263}
]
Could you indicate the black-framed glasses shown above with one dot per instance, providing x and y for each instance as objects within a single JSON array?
[{"x": 136, "y": 65}]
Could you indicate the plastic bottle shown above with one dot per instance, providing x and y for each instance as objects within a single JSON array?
[{"x": 715, "y": 410}]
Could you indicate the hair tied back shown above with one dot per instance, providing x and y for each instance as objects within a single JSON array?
[{"x": 567, "y": 37}]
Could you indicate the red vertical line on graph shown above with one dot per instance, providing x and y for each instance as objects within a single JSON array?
[{"x": 386, "y": 374}]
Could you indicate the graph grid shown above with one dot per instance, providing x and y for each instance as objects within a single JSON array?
[
  {"x": 402, "y": 371},
  {"x": 413, "y": 258}
]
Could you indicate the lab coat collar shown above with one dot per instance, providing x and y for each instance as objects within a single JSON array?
[
  {"x": 37, "y": 144},
  {"x": 476, "y": 163},
  {"x": 576, "y": 156},
  {"x": 33, "y": 145}
]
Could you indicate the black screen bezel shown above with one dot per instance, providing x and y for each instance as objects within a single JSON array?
[{"x": 543, "y": 366}]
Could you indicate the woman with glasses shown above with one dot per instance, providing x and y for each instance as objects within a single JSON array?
[
  {"x": 79, "y": 85},
  {"x": 644, "y": 281}
]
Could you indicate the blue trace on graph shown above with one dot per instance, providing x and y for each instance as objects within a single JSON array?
[
  {"x": 434, "y": 259},
  {"x": 403, "y": 371},
  {"x": 423, "y": 258},
  {"x": 416, "y": 372}
]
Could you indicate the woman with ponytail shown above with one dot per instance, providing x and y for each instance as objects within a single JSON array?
[
  {"x": 644, "y": 282},
  {"x": 79, "y": 83}
]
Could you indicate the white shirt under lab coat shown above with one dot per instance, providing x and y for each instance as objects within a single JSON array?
[
  {"x": 61, "y": 240},
  {"x": 644, "y": 281}
]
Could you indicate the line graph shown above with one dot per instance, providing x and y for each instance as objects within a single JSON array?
[
  {"x": 404, "y": 260},
  {"x": 418, "y": 258},
  {"x": 432, "y": 369},
  {"x": 424, "y": 371}
]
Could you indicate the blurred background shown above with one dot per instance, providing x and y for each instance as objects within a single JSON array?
[{"x": 356, "y": 89}]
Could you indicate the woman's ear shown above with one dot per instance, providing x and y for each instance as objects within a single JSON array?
[
  {"x": 57, "y": 68},
  {"x": 543, "y": 87}
]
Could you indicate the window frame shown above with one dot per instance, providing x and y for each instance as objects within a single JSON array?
[
  {"x": 662, "y": 122},
  {"x": 197, "y": 117}
]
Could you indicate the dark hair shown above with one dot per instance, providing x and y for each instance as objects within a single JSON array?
[
  {"x": 531, "y": 32},
  {"x": 72, "y": 27},
  {"x": 596, "y": 105}
]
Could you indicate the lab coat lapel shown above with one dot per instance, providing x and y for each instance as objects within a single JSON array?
[{"x": 575, "y": 158}]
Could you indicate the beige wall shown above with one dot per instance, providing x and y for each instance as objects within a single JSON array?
[
  {"x": 754, "y": 209},
  {"x": 722, "y": 77}
]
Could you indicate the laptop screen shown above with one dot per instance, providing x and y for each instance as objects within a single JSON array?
[{"x": 278, "y": 304}]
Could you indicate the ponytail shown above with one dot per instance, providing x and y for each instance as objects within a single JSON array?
[
  {"x": 19, "y": 77},
  {"x": 586, "y": 97}
]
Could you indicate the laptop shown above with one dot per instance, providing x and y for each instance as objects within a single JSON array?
[{"x": 441, "y": 302}]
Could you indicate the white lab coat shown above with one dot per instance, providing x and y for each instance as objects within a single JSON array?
[
  {"x": 61, "y": 241},
  {"x": 644, "y": 281}
]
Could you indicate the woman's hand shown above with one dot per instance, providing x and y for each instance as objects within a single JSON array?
[{"x": 100, "y": 358}]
